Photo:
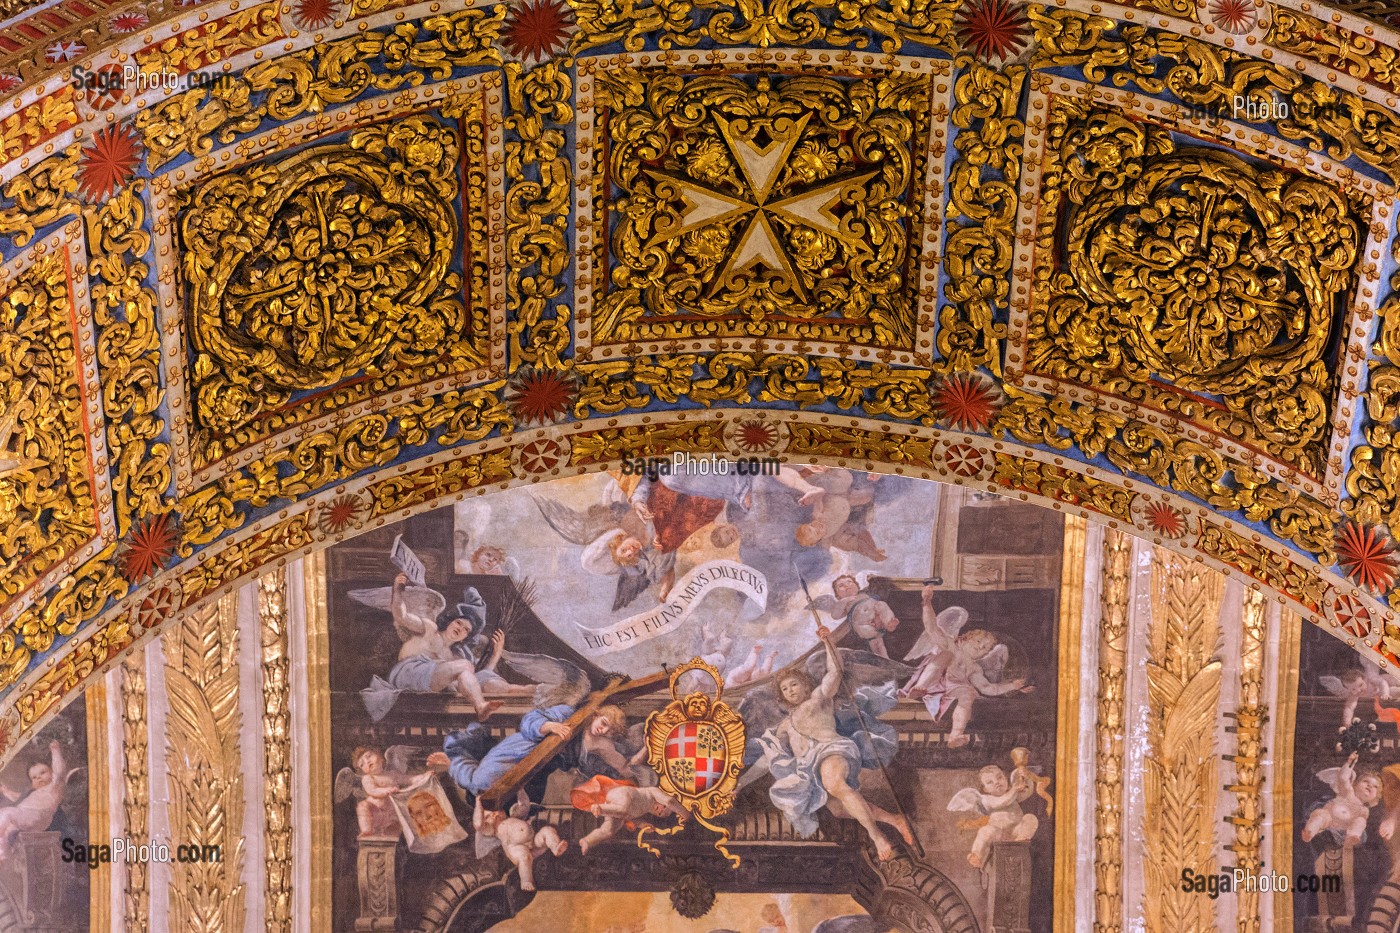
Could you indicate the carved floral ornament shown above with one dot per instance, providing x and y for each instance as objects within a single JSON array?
[{"x": 998, "y": 245}]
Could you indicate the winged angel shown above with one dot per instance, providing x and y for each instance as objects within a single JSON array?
[
  {"x": 606, "y": 745},
  {"x": 1356, "y": 684},
  {"x": 434, "y": 656},
  {"x": 617, "y": 541},
  {"x": 817, "y": 728},
  {"x": 956, "y": 667},
  {"x": 375, "y": 778}
]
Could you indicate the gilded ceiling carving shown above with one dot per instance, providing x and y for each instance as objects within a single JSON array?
[
  {"x": 782, "y": 206},
  {"x": 333, "y": 265},
  {"x": 1192, "y": 281},
  {"x": 535, "y": 241},
  {"x": 48, "y": 504}
]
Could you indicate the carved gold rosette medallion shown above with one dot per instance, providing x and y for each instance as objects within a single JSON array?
[
  {"x": 330, "y": 267},
  {"x": 760, "y": 205},
  {"x": 1192, "y": 280},
  {"x": 696, "y": 747}
]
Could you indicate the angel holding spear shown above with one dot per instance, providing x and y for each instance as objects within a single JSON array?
[{"x": 817, "y": 751}]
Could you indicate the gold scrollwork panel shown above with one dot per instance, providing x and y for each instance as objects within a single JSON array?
[
  {"x": 1194, "y": 282},
  {"x": 331, "y": 266}
]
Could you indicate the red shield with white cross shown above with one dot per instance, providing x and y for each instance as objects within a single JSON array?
[{"x": 695, "y": 757}]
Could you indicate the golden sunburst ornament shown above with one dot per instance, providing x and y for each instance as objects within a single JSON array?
[{"x": 696, "y": 747}]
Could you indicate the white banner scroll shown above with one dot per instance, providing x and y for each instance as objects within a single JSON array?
[{"x": 682, "y": 600}]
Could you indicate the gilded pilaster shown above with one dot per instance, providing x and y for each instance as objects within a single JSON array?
[
  {"x": 203, "y": 760},
  {"x": 99, "y": 809},
  {"x": 1108, "y": 784},
  {"x": 1066, "y": 776},
  {"x": 277, "y": 752},
  {"x": 137, "y": 791},
  {"x": 1179, "y": 781},
  {"x": 1250, "y": 716}
]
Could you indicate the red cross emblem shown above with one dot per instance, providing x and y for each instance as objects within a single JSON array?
[{"x": 695, "y": 756}]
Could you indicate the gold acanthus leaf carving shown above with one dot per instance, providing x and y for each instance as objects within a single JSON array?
[
  {"x": 1115, "y": 612},
  {"x": 279, "y": 829},
  {"x": 317, "y": 78},
  {"x": 328, "y": 265},
  {"x": 772, "y": 208},
  {"x": 1179, "y": 782},
  {"x": 203, "y": 761},
  {"x": 1191, "y": 267},
  {"x": 135, "y": 785}
]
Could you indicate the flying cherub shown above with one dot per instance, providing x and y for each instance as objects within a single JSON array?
[
  {"x": 871, "y": 619},
  {"x": 35, "y": 812},
  {"x": 373, "y": 783},
  {"x": 517, "y": 836},
  {"x": 618, "y": 804},
  {"x": 957, "y": 667},
  {"x": 474, "y": 553},
  {"x": 1345, "y": 814},
  {"x": 427, "y": 663},
  {"x": 1355, "y": 684},
  {"x": 617, "y": 541}
]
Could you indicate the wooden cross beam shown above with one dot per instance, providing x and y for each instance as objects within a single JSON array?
[{"x": 500, "y": 794}]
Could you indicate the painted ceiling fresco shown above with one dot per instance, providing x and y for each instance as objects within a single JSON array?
[
  {"x": 1131, "y": 261},
  {"x": 941, "y": 709}
]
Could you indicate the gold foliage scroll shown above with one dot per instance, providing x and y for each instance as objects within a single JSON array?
[
  {"x": 1108, "y": 761},
  {"x": 1373, "y": 480},
  {"x": 47, "y": 507},
  {"x": 205, "y": 779},
  {"x": 322, "y": 76},
  {"x": 136, "y": 785},
  {"x": 1179, "y": 783},
  {"x": 1250, "y": 717},
  {"x": 1191, "y": 276},
  {"x": 981, "y": 215},
  {"x": 1170, "y": 461},
  {"x": 128, "y": 352},
  {"x": 1321, "y": 116},
  {"x": 278, "y": 828},
  {"x": 321, "y": 459},
  {"x": 327, "y": 265},
  {"x": 686, "y": 23},
  {"x": 777, "y": 206},
  {"x": 617, "y": 385},
  {"x": 538, "y": 251}
]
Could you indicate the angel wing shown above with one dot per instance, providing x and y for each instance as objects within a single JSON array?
[
  {"x": 967, "y": 800},
  {"x": 559, "y": 682},
  {"x": 761, "y": 713},
  {"x": 939, "y": 632},
  {"x": 859, "y": 668},
  {"x": 995, "y": 662},
  {"x": 582, "y": 526},
  {"x": 347, "y": 785},
  {"x": 425, "y": 603},
  {"x": 631, "y": 583},
  {"x": 1332, "y": 777},
  {"x": 1333, "y": 685}
]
